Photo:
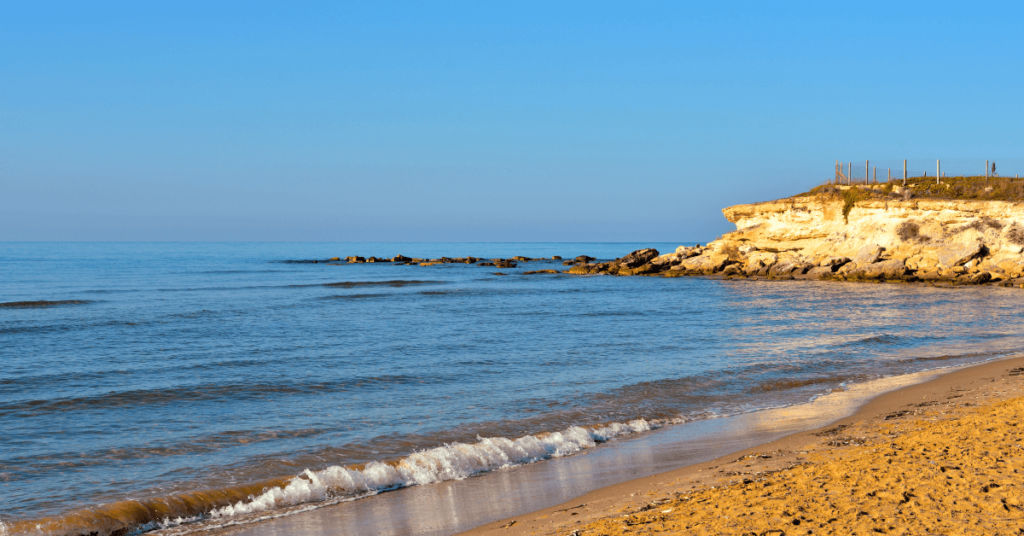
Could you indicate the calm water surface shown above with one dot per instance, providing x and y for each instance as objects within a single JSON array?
[{"x": 208, "y": 366}]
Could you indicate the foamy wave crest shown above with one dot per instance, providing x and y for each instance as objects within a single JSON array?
[{"x": 450, "y": 462}]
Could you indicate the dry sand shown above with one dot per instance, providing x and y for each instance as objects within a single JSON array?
[{"x": 942, "y": 457}]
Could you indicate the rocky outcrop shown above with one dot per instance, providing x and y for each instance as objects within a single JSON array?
[
  {"x": 863, "y": 236},
  {"x": 959, "y": 241}
]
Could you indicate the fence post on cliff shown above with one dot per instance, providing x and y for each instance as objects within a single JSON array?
[
  {"x": 938, "y": 173},
  {"x": 849, "y": 176},
  {"x": 874, "y": 175},
  {"x": 888, "y": 174},
  {"x": 866, "y": 174},
  {"x": 986, "y": 171},
  {"x": 904, "y": 172}
]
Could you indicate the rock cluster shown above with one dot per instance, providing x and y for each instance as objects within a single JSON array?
[
  {"x": 639, "y": 262},
  {"x": 402, "y": 259}
]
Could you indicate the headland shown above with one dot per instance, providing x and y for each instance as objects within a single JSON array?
[{"x": 950, "y": 231}]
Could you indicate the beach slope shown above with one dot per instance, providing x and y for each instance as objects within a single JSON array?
[{"x": 942, "y": 457}]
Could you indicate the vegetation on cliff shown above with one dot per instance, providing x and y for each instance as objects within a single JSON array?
[{"x": 974, "y": 188}]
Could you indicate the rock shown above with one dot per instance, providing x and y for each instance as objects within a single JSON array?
[
  {"x": 891, "y": 269},
  {"x": 648, "y": 269},
  {"x": 400, "y": 258},
  {"x": 704, "y": 264},
  {"x": 957, "y": 254},
  {"x": 973, "y": 279},
  {"x": 833, "y": 263},
  {"x": 542, "y": 272},
  {"x": 556, "y": 258},
  {"x": 521, "y": 258},
  {"x": 584, "y": 269},
  {"x": 684, "y": 252},
  {"x": 638, "y": 258},
  {"x": 584, "y": 258},
  {"x": 429, "y": 263},
  {"x": 731, "y": 271},
  {"x": 819, "y": 272},
  {"x": 334, "y": 259},
  {"x": 846, "y": 268},
  {"x": 498, "y": 273},
  {"x": 485, "y": 264},
  {"x": 789, "y": 268},
  {"x": 765, "y": 258},
  {"x": 355, "y": 259},
  {"x": 568, "y": 263},
  {"x": 755, "y": 267},
  {"x": 868, "y": 254}
]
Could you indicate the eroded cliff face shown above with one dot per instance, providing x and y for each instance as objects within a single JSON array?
[{"x": 963, "y": 241}]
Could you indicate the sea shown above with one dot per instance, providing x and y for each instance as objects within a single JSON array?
[{"x": 170, "y": 384}]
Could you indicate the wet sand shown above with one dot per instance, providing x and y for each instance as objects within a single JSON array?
[
  {"x": 610, "y": 480},
  {"x": 941, "y": 457}
]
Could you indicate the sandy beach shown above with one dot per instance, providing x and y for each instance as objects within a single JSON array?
[{"x": 940, "y": 457}]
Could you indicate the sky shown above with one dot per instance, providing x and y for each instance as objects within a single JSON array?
[{"x": 476, "y": 121}]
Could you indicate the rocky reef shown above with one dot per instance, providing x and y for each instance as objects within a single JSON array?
[{"x": 853, "y": 237}]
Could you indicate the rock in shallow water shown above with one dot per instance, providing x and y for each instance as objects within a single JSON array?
[{"x": 638, "y": 258}]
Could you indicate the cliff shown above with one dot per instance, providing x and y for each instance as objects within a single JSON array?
[{"x": 855, "y": 234}]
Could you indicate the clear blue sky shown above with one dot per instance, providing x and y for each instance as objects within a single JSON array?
[{"x": 492, "y": 121}]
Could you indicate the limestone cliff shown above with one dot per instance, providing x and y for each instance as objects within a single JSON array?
[
  {"x": 970, "y": 241},
  {"x": 864, "y": 233}
]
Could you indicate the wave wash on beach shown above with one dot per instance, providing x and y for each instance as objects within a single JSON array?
[{"x": 333, "y": 484}]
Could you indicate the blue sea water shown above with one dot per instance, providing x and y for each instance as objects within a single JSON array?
[{"x": 183, "y": 367}]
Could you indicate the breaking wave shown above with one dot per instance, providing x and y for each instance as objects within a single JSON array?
[{"x": 454, "y": 461}]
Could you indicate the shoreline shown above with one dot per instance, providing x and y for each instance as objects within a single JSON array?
[
  {"x": 990, "y": 382},
  {"x": 476, "y": 503}
]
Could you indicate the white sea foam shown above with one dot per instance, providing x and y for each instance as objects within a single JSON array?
[{"x": 454, "y": 461}]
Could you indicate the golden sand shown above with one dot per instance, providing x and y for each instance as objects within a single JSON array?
[
  {"x": 940, "y": 458},
  {"x": 929, "y": 475}
]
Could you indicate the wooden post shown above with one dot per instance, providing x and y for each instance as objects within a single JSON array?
[
  {"x": 888, "y": 175},
  {"x": 874, "y": 175},
  {"x": 904, "y": 173},
  {"x": 937, "y": 172},
  {"x": 986, "y": 171},
  {"x": 849, "y": 173}
]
